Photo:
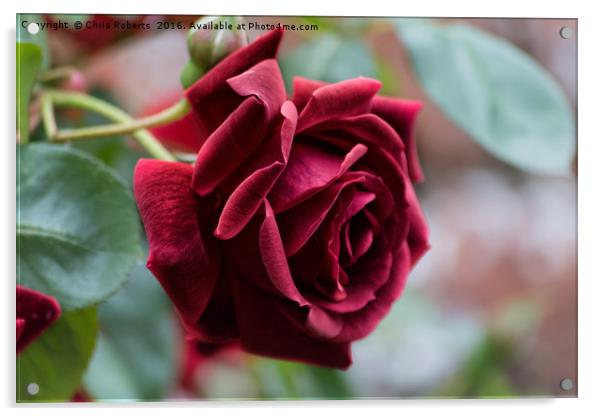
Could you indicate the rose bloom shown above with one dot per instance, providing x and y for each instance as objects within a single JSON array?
[
  {"x": 35, "y": 313},
  {"x": 297, "y": 226}
]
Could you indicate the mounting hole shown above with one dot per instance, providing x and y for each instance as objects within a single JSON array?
[
  {"x": 566, "y": 384},
  {"x": 33, "y": 389},
  {"x": 566, "y": 32},
  {"x": 33, "y": 28}
]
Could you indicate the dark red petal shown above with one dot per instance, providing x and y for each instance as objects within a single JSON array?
[
  {"x": 387, "y": 171},
  {"x": 309, "y": 170},
  {"x": 359, "y": 201},
  {"x": 218, "y": 322},
  {"x": 303, "y": 88},
  {"x": 35, "y": 312},
  {"x": 20, "y": 327},
  {"x": 229, "y": 145},
  {"x": 182, "y": 255},
  {"x": 360, "y": 237},
  {"x": 368, "y": 129},
  {"x": 211, "y": 98},
  {"x": 300, "y": 222},
  {"x": 401, "y": 115},
  {"x": 274, "y": 258},
  {"x": 418, "y": 233},
  {"x": 263, "y": 81},
  {"x": 266, "y": 168},
  {"x": 343, "y": 99},
  {"x": 361, "y": 323},
  {"x": 265, "y": 330}
]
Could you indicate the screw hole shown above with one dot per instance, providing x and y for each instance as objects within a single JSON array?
[
  {"x": 566, "y": 32},
  {"x": 33, "y": 389},
  {"x": 566, "y": 384},
  {"x": 33, "y": 28}
]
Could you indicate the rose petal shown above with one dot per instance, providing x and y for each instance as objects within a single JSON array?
[
  {"x": 309, "y": 170},
  {"x": 367, "y": 129},
  {"x": 313, "y": 320},
  {"x": 342, "y": 99},
  {"x": 20, "y": 327},
  {"x": 217, "y": 324},
  {"x": 263, "y": 81},
  {"x": 418, "y": 233},
  {"x": 366, "y": 277},
  {"x": 359, "y": 201},
  {"x": 211, "y": 98},
  {"x": 300, "y": 222},
  {"x": 386, "y": 169},
  {"x": 361, "y": 237},
  {"x": 274, "y": 258},
  {"x": 401, "y": 115},
  {"x": 35, "y": 313},
  {"x": 229, "y": 145},
  {"x": 265, "y": 330},
  {"x": 303, "y": 88},
  {"x": 182, "y": 255},
  {"x": 249, "y": 194},
  {"x": 362, "y": 322}
]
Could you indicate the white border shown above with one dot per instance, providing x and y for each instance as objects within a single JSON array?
[{"x": 590, "y": 196}]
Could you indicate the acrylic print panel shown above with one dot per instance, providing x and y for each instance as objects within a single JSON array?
[{"x": 295, "y": 207}]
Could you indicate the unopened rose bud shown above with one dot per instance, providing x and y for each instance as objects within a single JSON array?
[{"x": 213, "y": 38}]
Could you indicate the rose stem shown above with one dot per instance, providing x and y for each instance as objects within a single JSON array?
[{"x": 126, "y": 124}]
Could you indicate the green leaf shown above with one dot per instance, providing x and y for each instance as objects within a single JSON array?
[
  {"x": 329, "y": 58},
  {"x": 29, "y": 60},
  {"x": 78, "y": 232},
  {"x": 500, "y": 95},
  {"x": 57, "y": 360},
  {"x": 135, "y": 357}
]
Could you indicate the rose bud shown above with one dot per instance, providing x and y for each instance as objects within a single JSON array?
[
  {"x": 297, "y": 226},
  {"x": 212, "y": 39},
  {"x": 35, "y": 313}
]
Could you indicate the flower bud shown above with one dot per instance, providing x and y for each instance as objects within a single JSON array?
[{"x": 213, "y": 38}]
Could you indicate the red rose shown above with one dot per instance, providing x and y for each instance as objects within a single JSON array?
[
  {"x": 35, "y": 312},
  {"x": 298, "y": 224}
]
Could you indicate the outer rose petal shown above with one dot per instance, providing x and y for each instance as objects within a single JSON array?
[
  {"x": 303, "y": 88},
  {"x": 343, "y": 99},
  {"x": 181, "y": 254},
  {"x": 265, "y": 82},
  {"x": 418, "y": 233},
  {"x": 401, "y": 115},
  {"x": 265, "y": 330},
  {"x": 35, "y": 312},
  {"x": 211, "y": 98}
]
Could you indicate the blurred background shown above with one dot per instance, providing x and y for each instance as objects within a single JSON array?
[{"x": 491, "y": 309}]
